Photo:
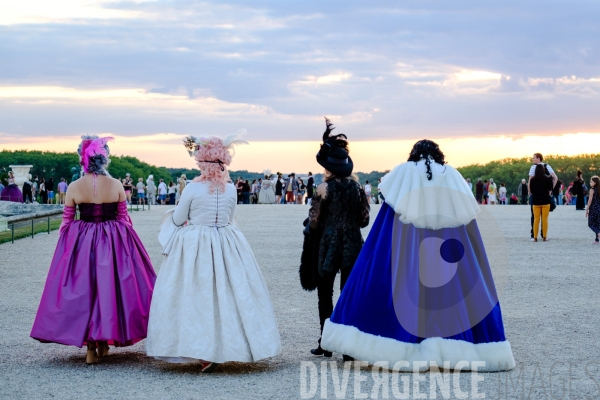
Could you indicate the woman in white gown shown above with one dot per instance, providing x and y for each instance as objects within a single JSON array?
[
  {"x": 210, "y": 302},
  {"x": 267, "y": 190}
]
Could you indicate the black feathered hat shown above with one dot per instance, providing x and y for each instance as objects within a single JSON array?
[{"x": 333, "y": 155}]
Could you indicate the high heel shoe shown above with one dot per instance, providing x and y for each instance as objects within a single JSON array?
[
  {"x": 91, "y": 357},
  {"x": 319, "y": 351},
  {"x": 102, "y": 349}
]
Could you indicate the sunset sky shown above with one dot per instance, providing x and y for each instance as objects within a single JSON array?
[{"x": 486, "y": 80}]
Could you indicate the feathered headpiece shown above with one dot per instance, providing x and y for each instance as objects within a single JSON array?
[
  {"x": 91, "y": 147},
  {"x": 192, "y": 143}
]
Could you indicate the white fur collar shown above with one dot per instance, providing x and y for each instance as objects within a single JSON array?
[{"x": 445, "y": 201}]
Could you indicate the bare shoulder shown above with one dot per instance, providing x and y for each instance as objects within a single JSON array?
[
  {"x": 115, "y": 182},
  {"x": 75, "y": 186}
]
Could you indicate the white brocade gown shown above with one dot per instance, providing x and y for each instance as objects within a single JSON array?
[
  {"x": 210, "y": 300},
  {"x": 267, "y": 193}
]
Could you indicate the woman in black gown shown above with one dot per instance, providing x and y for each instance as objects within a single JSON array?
[{"x": 577, "y": 190}]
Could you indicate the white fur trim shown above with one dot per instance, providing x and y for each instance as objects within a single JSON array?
[
  {"x": 445, "y": 201},
  {"x": 363, "y": 346}
]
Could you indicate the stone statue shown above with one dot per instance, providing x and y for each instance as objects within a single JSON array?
[{"x": 75, "y": 172}]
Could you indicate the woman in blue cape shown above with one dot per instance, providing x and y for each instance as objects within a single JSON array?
[{"x": 422, "y": 288}]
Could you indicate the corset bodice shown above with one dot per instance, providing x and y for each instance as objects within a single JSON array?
[{"x": 90, "y": 212}]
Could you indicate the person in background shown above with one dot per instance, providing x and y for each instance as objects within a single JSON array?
[
  {"x": 522, "y": 191},
  {"x": 141, "y": 191},
  {"x": 128, "y": 186},
  {"x": 27, "y": 191},
  {"x": 592, "y": 211},
  {"x": 50, "y": 189},
  {"x": 182, "y": 181},
  {"x": 514, "y": 199},
  {"x": 301, "y": 191},
  {"x": 469, "y": 184},
  {"x": 172, "y": 192},
  {"x": 537, "y": 159},
  {"x": 62, "y": 190},
  {"x": 310, "y": 187},
  {"x": 540, "y": 187},
  {"x": 379, "y": 194},
  {"x": 279, "y": 188},
  {"x": 502, "y": 194},
  {"x": 239, "y": 185},
  {"x": 254, "y": 189},
  {"x": 568, "y": 196},
  {"x": 492, "y": 192},
  {"x": 557, "y": 193},
  {"x": 267, "y": 189},
  {"x": 291, "y": 188},
  {"x": 577, "y": 190},
  {"x": 1, "y": 187},
  {"x": 151, "y": 190},
  {"x": 479, "y": 191},
  {"x": 245, "y": 192},
  {"x": 35, "y": 187},
  {"x": 162, "y": 192},
  {"x": 367, "y": 190},
  {"x": 43, "y": 191},
  {"x": 485, "y": 192}
]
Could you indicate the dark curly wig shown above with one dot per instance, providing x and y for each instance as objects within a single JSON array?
[{"x": 428, "y": 150}]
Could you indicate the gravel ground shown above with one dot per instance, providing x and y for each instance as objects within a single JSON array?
[{"x": 549, "y": 295}]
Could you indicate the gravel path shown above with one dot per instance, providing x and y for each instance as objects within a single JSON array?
[{"x": 549, "y": 294}]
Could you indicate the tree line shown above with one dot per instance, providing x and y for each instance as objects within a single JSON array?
[{"x": 509, "y": 170}]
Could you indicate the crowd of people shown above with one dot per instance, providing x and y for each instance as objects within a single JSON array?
[
  {"x": 543, "y": 191},
  {"x": 35, "y": 190}
]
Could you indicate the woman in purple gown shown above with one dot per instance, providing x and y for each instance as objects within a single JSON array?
[
  {"x": 101, "y": 280},
  {"x": 12, "y": 191}
]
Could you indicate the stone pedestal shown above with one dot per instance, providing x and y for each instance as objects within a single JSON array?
[{"x": 21, "y": 173}]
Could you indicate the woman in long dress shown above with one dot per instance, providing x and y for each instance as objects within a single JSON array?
[
  {"x": 422, "y": 289},
  {"x": 211, "y": 303},
  {"x": 592, "y": 211},
  {"x": 267, "y": 191},
  {"x": 100, "y": 281},
  {"x": 12, "y": 191},
  {"x": 492, "y": 192}
]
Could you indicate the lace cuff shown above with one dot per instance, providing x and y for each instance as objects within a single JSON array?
[
  {"x": 122, "y": 214},
  {"x": 68, "y": 217}
]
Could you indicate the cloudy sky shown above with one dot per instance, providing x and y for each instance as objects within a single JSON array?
[{"x": 474, "y": 75}]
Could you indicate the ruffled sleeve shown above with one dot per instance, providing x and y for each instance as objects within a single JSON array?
[{"x": 443, "y": 202}]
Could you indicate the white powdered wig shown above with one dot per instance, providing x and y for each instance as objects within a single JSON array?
[
  {"x": 445, "y": 201},
  {"x": 363, "y": 346}
]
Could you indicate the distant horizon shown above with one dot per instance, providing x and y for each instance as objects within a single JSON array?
[{"x": 375, "y": 155}]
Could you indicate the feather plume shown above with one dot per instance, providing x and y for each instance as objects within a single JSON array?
[
  {"x": 91, "y": 148},
  {"x": 235, "y": 139}
]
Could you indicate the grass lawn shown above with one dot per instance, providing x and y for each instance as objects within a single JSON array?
[{"x": 23, "y": 229}]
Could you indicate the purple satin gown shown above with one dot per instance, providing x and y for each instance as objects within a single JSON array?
[{"x": 100, "y": 282}]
